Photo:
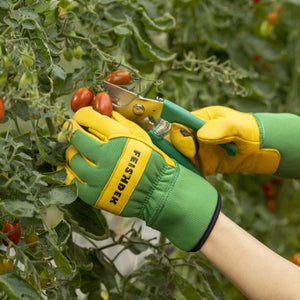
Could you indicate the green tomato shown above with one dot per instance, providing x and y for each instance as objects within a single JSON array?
[
  {"x": 7, "y": 62},
  {"x": 266, "y": 29},
  {"x": 3, "y": 77},
  {"x": 68, "y": 55},
  {"x": 25, "y": 80},
  {"x": 53, "y": 216},
  {"x": 77, "y": 52},
  {"x": 28, "y": 60},
  {"x": 62, "y": 136}
]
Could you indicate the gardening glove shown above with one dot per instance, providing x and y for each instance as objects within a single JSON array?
[
  {"x": 268, "y": 143},
  {"x": 118, "y": 169}
]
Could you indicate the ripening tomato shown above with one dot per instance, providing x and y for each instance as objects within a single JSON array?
[
  {"x": 2, "y": 109},
  {"x": 272, "y": 205},
  {"x": 15, "y": 236},
  {"x": 32, "y": 240},
  {"x": 81, "y": 98},
  {"x": 272, "y": 18},
  {"x": 6, "y": 265},
  {"x": 120, "y": 77},
  {"x": 296, "y": 259},
  {"x": 103, "y": 104},
  {"x": 47, "y": 277}
]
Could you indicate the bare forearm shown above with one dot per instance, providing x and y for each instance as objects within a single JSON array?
[{"x": 257, "y": 271}]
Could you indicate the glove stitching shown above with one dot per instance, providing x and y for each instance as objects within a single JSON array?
[
  {"x": 149, "y": 195},
  {"x": 164, "y": 199}
]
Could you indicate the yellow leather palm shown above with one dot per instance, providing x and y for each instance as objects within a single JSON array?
[{"x": 225, "y": 125}]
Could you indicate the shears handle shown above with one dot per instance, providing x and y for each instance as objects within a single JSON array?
[
  {"x": 171, "y": 151},
  {"x": 175, "y": 113}
]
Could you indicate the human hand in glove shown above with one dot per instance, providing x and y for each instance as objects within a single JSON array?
[
  {"x": 268, "y": 143},
  {"x": 118, "y": 169}
]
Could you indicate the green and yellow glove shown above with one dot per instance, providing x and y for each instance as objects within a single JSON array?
[
  {"x": 118, "y": 169},
  {"x": 268, "y": 143}
]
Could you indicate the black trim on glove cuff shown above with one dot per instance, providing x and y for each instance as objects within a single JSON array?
[{"x": 210, "y": 226}]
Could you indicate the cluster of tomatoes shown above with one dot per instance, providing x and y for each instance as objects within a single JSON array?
[
  {"x": 270, "y": 191},
  {"x": 13, "y": 233},
  {"x": 267, "y": 26},
  {"x": 102, "y": 101}
]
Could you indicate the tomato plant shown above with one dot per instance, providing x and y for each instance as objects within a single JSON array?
[
  {"x": 15, "y": 234},
  {"x": 103, "y": 103},
  {"x": 81, "y": 98},
  {"x": 119, "y": 77},
  {"x": 195, "y": 53}
]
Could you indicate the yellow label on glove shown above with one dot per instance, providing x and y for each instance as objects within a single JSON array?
[{"x": 125, "y": 177}]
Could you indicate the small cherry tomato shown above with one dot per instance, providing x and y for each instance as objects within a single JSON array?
[
  {"x": 32, "y": 240},
  {"x": 3, "y": 77},
  {"x": 47, "y": 277},
  {"x": 265, "y": 29},
  {"x": 272, "y": 18},
  {"x": 103, "y": 104},
  {"x": 6, "y": 265},
  {"x": 28, "y": 59},
  {"x": 77, "y": 52},
  {"x": 25, "y": 80},
  {"x": 272, "y": 205},
  {"x": 81, "y": 98},
  {"x": 295, "y": 259},
  {"x": 62, "y": 136},
  {"x": 2, "y": 109},
  {"x": 68, "y": 54},
  {"x": 120, "y": 77},
  {"x": 15, "y": 236},
  {"x": 255, "y": 1}
]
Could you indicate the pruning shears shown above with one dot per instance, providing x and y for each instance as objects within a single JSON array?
[{"x": 155, "y": 116}]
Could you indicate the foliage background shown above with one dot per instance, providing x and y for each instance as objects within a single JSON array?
[{"x": 195, "y": 53}]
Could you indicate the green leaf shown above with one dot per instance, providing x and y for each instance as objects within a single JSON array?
[
  {"x": 62, "y": 195},
  {"x": 86, "y": 220},
  {"x": 48, "y": 9},
  {"x": 58, "y": 76},
  {"x": 186, "y": 288},
  {"x": 122, "y": 30},
  {"x": 4, "y": 4},
  {"x": 164, "y": 23},
  {"x": 17, "y": 288},
  {"x": 55, "y": 177},
  {"x": 18, "y": 208},
  {"x": 153, "y": 274},
  {"x": 146, "y": 45},
  {"x": 61, "y": 261},
  {"x": 11, "y": 22}
]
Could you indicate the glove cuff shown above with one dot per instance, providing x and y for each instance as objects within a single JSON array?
[
  {"x": 185, "y": 210},
  {"x": 282, "y": 132}
]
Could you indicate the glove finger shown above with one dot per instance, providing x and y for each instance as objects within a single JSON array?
[
  {"x": 102, "y": 126},
  {"x": 184, "y": 140},
  {"x": 218, "y": 131},
  {"x": 85, "y": 142},
  {"x": 87, "y": 193}
]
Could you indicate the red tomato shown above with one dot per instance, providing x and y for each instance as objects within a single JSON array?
[
  {"x": 120, "y": 77},
  {"x": 14, "y": 236},
  {"x": 272, "y": 205},
  {"x": 81, "y": 98},
  {"x": 2, "y": 110},
  {"x": 255, "y": 1},
  {"x": 103, "y": 104}
]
